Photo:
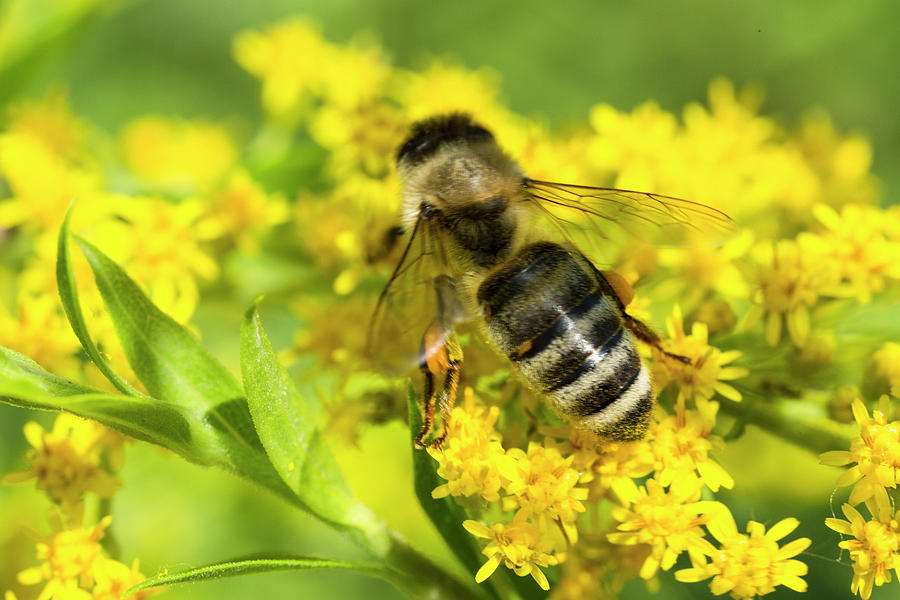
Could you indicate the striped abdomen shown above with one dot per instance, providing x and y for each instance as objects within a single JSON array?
[{"x": 560, "y": 324}]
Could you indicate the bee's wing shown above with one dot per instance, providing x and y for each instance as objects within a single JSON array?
[
  {"x": 611, "y": 213},
  {"x": 418, "y": 296}
]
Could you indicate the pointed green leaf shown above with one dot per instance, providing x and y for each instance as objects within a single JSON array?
[
  {"x": 250, "y": 566},
  {"x": 294, "y": 442},
  {"x": 24, "y": 383},
  {"x": 166, "y": 357},
  {"x": 68, "y": 293}
]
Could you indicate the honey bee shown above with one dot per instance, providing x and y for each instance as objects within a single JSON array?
[{"x": 477, "y": 250}]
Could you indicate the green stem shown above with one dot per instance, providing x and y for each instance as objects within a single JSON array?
[
  {"x": 418, "y": 577},
  {"x": 778, "y": 419}
]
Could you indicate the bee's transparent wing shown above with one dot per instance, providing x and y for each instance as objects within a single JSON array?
[
  {"x": 419, "y": 295},
  {"x": 596, "y": 215}
]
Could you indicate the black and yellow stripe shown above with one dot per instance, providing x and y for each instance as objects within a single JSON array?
[{"x": 561, "y": 325}]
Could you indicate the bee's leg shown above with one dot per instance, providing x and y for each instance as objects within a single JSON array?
[
  {"x": 428, "y": 412},
  {"x": 444, "y": 357},
  {"x": 451, "y": 383},
  {"x": 624, "y": 294},
  {"x": 642, "y": 332}
]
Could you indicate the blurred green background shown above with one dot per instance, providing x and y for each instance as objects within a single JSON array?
[{"x": 554, "y": 62}]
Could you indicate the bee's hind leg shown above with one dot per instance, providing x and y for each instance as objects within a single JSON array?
[
  {"x": 446, "y": 361},
  {"x": 643, "y": 332},
  {"x": 623, "y": 293}
]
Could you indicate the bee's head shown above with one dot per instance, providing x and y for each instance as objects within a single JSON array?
[{"x": 428, "y": 135}]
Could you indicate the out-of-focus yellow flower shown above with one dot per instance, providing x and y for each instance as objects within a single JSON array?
[
  {"x": 41, "y": 332},
  {"x": 288, "y": 58},
  {"x": 681, "y": 443},
  {"x": 855, "y": 241},
  {"x": 177, "y": 155},
  {"x": 519, "y": 545},
  {"x": 708, "y": 371},
  {"x": 75, "y": 568},
  {"x": 876, "y": 453},
  {"x": 242, "y": 210},
  {"x": 42, "y": 185},
  {"x": 543, "y": 486},
  {"x": 50, "y": 121},
  {"x": 159, "y": 244},
  {"x": 703, "y": 269},
  {"x": 112, "y": 579},
  {"x": 790, "y": 277},
  {"x": 668, "y": 520},
  {"x": 842, "y": 163},
  {"x": 66, "y": 461},
  {"x": 875, "y": 549},
  {"x": 444, "y": 88},
  {"x": 70, "y": 558},
  {"x": 472, "y": 459},
  {"x": 751, "y": 565},
  {"x": 362, "y": 138}
]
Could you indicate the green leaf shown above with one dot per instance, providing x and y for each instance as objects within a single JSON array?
[
  {"x": 250, "y": 566},
  {"x": 294, "y": 443},
  {"x": 166, "y": 357},
  {"x": 184, "y": 431},
  {"x": 68, "y": 294},
  {"x": 24, "y": 383},
  {"x": 447, "y": 515}
]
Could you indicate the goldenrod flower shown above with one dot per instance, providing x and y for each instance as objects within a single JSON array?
[
  {"x": 472, "y": 459},
  {"x": 112, "y": 578},
  {"x": 790, "y": 277},
  {"x": 42, "y": 333},
  {"x": 681, "y": 443},
  {"x": 876, "y": 453},
  {"x": 752, "y": 564},
  {"x": 242, "y": 210},
  {"x": 360, "y": 139},
  {"x": 43, "y": 185},
  {"x": 875, "y": 549},
  {"x": 180, "y": 156},
  {"x": 708, "y": 371},
  {"x": 608, "y": 465},
  {"x": 668, "y": 520},
  {"x": 285, "y": 57},
  {"x": 70, "y": 558},
  {"x": 159, "y": 244},
  {"x": 51, "y": 121},
  {"x": 444, "y": 87},
  {"x": 855, "y": 241},
  {"x": 66, "y": 461},
  {"x": 518, "y": 545},
  {"x": 542, "y": 485}
]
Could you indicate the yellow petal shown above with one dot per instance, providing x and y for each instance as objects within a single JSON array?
[
  {"x": 782, "y": 528},
  {"x": 487, "y": 569},
  {"x": 793, "y": 548},
  {"x": 835, "y": 458},
  {"x": 478, "y": 529},
  {"x": 540, "y": 578},
  {"x": 728, "y": 391},
  {"x": 839, "y": 525},
  {"x": 849, "y": 477},
  {"x": 859, "y": 411}
]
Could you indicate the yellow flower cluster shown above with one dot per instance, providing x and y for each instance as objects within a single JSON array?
[
  {"x": 75, "y": 567},
  {"x": 165, "y": 243},
  {"x": 66, "y": 462},
  {"x": 875, "y": 547},
  {"x": 74, "y": 458}
]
